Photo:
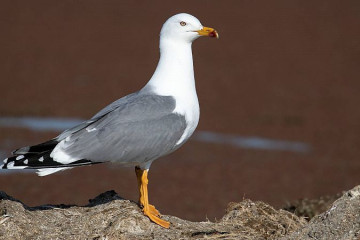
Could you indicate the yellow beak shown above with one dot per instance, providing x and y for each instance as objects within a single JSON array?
[{"x": 209, "y": 32}]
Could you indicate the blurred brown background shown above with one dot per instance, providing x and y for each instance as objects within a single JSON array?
[{"x": 286, "y": 70}]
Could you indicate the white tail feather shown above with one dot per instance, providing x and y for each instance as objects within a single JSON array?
[{"x": 47, "y": 171}]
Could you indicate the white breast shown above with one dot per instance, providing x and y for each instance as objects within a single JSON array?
[{"x": 188, "y": 107}]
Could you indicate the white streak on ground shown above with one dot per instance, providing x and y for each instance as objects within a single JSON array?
[
  {"x": 252, "y": 142},
  {"x": 39, "y": 124}
]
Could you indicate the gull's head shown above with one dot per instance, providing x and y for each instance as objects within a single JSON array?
[{"x": 185, "y": 27}]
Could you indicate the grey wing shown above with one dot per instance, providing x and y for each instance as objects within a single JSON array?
[
  {"x": 135, "y": 132},
  {"x": 111, "y": 107},
  {"x": 116, "y": 104},
  {"x": 75, "y": 129}
]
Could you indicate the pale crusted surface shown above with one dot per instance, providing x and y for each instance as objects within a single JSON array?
[
  {"x": 340, "y": 222},
  {"x": 110, "y": 217}
]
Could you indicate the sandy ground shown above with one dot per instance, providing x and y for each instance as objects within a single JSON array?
[{"x": 284, "y": 70}]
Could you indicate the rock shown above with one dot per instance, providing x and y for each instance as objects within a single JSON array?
[
  {"x": 309, "y": 208},
  {"x": 340, "y": 221},
  {"x": 109, "y": 216}
]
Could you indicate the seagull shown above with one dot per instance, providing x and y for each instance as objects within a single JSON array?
[{"x": 136, "y": 129}]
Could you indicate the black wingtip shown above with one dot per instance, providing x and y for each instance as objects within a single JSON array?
[{"x": 36, "y": 149}]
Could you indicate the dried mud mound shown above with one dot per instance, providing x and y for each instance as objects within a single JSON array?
[
  {"x": 108, "y": 216},
  {"x": 309, "y": 208},
  {"x": 340, "y": 222}
]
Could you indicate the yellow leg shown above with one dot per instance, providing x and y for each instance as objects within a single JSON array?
[{"x": 149, "y": 210}]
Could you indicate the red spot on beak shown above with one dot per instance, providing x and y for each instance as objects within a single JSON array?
[{"x": 214, "y": 34}]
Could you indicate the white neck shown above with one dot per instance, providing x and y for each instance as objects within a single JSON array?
[{"x": 174, "y": 75}]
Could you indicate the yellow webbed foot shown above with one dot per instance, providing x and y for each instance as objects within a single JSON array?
[
  {"x": 155, "y": 218},
  {"x": 153, "y": 210}
]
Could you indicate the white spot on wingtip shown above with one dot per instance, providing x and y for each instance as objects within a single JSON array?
[
  {"x": 41, "y": 159},
  {"x": 5, "y": 160},
  {"x": 26, "y": 161},
  {"x": 19, "y": 157},
  {"x": 11, "y": 166}
]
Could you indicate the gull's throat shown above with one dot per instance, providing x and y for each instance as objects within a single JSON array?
[{"x": 174, "y": 74}]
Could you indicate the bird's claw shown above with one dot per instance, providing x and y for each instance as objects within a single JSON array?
[{"x": 154, "y": 214}]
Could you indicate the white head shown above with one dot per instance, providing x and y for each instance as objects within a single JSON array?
[{"x": 185, "y": 27}]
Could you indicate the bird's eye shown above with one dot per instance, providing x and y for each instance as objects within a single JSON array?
[{"x": 182, "y": 23}]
